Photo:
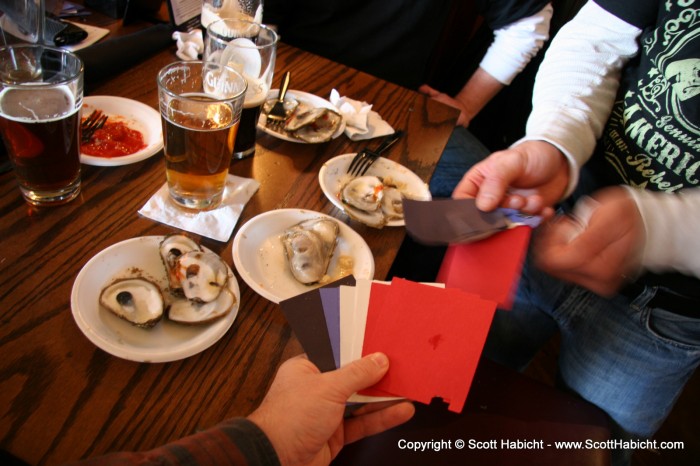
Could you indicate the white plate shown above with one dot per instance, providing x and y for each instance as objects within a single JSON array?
[
  {"x": 333, "y": 176},
  {"x": 137, "y": 116},
  {"x": 260, "y": 259},
  {"x": 166, "y": 341},
  {"x": 309, "y": 99}
]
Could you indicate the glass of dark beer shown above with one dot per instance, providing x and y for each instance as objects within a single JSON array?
[
  {"x": 200, "y": 108},
  {"x": 249, "y": 48},
  {"x": 41, "y": 92}
]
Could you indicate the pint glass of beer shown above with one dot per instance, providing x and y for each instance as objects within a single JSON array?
[
  {"x": 41, "y": 92},
  {"x": 249, "y": 48},
  {"x": 200, "y": 108}
]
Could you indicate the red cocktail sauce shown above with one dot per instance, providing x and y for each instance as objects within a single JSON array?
[{"x": 114, "y": 139}]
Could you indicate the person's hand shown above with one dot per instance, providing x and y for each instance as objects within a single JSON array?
[
  {"x": 464, "y": 117},
  {"x": 600, "y": 254},
  {"x": 530, "y": 177},
  {"x": 302, "y": 413}
]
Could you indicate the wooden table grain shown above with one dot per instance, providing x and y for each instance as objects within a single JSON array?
[{"x": 61, "y": 397}]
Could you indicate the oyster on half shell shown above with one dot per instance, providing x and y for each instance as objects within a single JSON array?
[
  {"x": 362, "y": 198},
  {"x": 309, "y": 246},
  {"x": 136, "y": 300},
  {"x": 392, "y": 203},
  {"x": 187, "y": 311},
  {"x": 313, "y": 125},
  {"x": 170, "y": 249},
  {"x": 202, "y": 275}
]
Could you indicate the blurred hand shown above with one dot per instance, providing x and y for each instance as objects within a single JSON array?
[
  {"x": 530, "y": 177},
  {"x": 464, "y": 115},
  {"x": 302, "y": 413},
  {"x": 600, "y": 255}
]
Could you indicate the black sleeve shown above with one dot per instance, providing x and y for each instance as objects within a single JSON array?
[
  {"x": 640, "y": 13},
  {"x": 500, "y": 13}
]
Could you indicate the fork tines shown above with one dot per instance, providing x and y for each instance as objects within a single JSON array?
[
  {"x": 361, "y": 163},
  {"x": 274, "y": 122},
  {"x": 92, "y": 123}
]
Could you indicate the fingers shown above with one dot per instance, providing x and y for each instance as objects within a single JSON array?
[
  {"x": 596, "y": 254},
  {"x": 377, "y": 421},
  {"x": 359, "y": 374},
  {"x": 497, "y": 174},
  {"x": 427, "y": 90}
]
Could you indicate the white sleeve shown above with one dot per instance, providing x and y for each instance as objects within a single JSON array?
[
  {"x": 515, "y": 44},
  {"x": 577, "y": 82},
  {"x": 671, "y": 230}
]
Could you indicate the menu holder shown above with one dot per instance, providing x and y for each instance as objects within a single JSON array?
[{"x": 185, "y": 15}]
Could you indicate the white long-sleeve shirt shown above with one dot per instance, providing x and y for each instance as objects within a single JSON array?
[
  {"x": 515, "y": 44},
  {"x": 574, "y": 94}
]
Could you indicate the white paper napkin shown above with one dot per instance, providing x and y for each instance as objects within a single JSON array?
[
  {"x": 361, "y": 122},
  {"x": 189, "y": 44},
  {"x": 217, "y": 224}
]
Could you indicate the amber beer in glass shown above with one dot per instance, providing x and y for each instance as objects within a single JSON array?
[
  {"x": 200, "y": 106},
  {"x": 41, "y": 92},
  {"x": 251, "y": 49}
]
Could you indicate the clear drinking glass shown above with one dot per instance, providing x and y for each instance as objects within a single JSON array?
[
  {"x": 41, "y": 92},
  {"x": 251, "y": 49},
  {"x": 200, "y": 107},
  {"x": 213, "y": 10}
]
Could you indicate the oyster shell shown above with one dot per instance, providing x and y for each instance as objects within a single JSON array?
[
  {"x": 313, "y": 125},
  {"x": 362, "y": 197},
  {"x": 202, "y": 275},
  {"x": 136, "y": 300},
  {"x": 170, "y": 249},
  {"x": 364, "y": 193},
  {"x": 309, "y": 246},
  {"x": 186, "y": 311},
  {"x": 392, "y": 203}
]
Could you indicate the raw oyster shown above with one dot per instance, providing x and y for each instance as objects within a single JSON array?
[
  {"x": 313, "y": 125},
  {"x": 364, "y": 193},
  {"x": 186, "y": 311},
  {"x": 392, "y": 203},
  {"x": 202, "y": 275},
  {"x": 136, "y": 300},
  {"x": 309, "y": 246},
  {"x": 373, "y": 200},
  {"x": 362, "y": 197},
  {"x": 171, "y": 248}
]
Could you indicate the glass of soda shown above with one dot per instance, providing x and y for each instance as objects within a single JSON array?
[{"x": 41, "y": 92}]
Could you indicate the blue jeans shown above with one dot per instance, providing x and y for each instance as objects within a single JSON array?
[
  {"x": 629, "y": 359},
  {"x": 462, "y": 151}
]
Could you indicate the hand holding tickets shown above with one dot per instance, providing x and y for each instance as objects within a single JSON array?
[{"x": 433, "y": 336}]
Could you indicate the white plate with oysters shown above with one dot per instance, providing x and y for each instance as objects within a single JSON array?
[
  {"x": 374, "y": 198},
  {"x": 313, "y": 119},
  {"x": 134, "y": 269},
  {"x": 322, "y": 250}
]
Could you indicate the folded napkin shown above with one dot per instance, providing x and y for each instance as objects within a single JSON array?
[
  {"x": 189, "y": 44},
  {"x": 217, "y": 224},
  {"x": 361, "y": 122}
]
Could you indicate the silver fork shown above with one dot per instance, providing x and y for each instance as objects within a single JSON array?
[
  {"x": 92, "y": 123},
  {"x": 278, "y": 114},
  {"x": 366, "y": 157}
]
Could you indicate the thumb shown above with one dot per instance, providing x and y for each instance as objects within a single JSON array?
[
  {"x": 359, "y": 374},
  {"x": 425, "y": 89}
]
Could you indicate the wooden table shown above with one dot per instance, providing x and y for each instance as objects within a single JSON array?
[{"x": 61, "y": 397}]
